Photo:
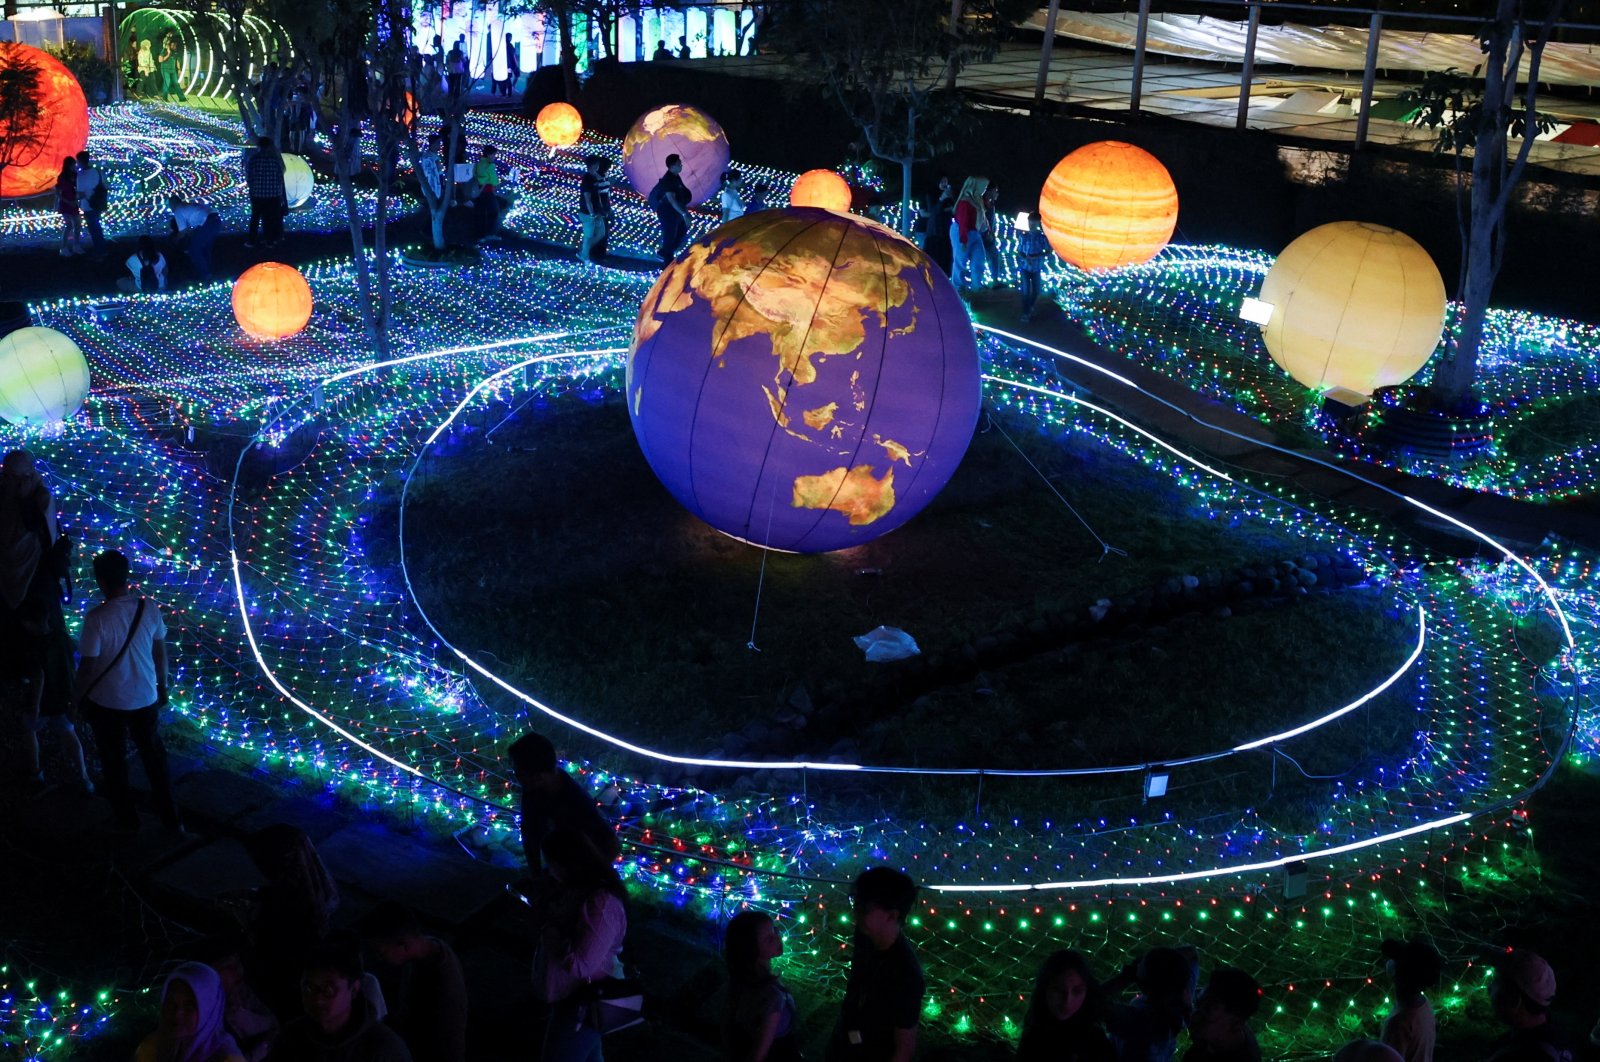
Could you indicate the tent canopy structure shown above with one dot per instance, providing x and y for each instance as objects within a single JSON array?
[{"x": 1222, "y": 40}]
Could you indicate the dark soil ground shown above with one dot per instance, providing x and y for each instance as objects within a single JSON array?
[{"x": 561, "y": 582}]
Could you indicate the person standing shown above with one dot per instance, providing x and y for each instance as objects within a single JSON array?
[
  {"x": 729, "y": 198},
  {"x": 486, "y": 176},
  {"x": 991, "y": 235},
  {"x": 196, "y": 226},
  {"x": 966, "y": 234},
  {"x": 93, "y": 196},
  {"x": 1064, "y": 1022},
  {"x": 594, "y": 208},
  {"x": 513, "y": 67},
  {"x": 759, "y": 1025},
  {"x": 263, "y": 174},
  {"x": 883, "y": 997},
  {"x": 552, "y": 800},
  {"x": 122, "y": 687},
  {"x": 69, "y": 207},
  {"x": 167, "y": 63},
  {"x": 670, "y": 198},
  {"x": 1409, "y": 1028},
  {"x": 581, "y": 944},
  {"x": 939, "y": 219},
  {"x": 430, "y": 1002},
  {"x": 456, "y": 70},
  {"x": 430, "y": 172},
  {"x": 35, "y": 649},
  {"x": 1032, "y": 247}
]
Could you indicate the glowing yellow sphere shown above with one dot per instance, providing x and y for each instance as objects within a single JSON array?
[
  {"x": 1108, "y": 205},
  {"x": 271, "y": 301},
  {"x": 1353, "y": 305},
  {"x": 44, "y": 377},
  {"x": 559, "y": 125},
  {"x": 297, "y": 180},
  {"x": 820, "y": 188}
]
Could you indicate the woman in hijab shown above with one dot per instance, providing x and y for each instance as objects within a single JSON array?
[{"x": 192, "y": 1002}]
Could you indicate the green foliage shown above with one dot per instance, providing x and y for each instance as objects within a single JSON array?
[
  {"x": 24, "y": 127},
  {"x": 94, "y": 74},
  {"x": 1451, "y": 104}
]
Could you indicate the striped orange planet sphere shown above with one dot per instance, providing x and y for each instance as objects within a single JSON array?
[
  {"x": 1107, "y": 205},
  {"x": 820, "y": 188}
]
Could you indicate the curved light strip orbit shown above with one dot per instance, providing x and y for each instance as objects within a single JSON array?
[{"x": 770, "y": 765}]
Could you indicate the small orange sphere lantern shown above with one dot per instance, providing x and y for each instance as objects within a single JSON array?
[
  {"x": 559, "y": 125},
  {"x": 61, "y": 128},
  {"x": 271, "y": 301},
  {"x": 1108, "y": 205},
  {"x": 821, "y": 188}
]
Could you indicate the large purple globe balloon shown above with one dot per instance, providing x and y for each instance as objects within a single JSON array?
[
  {"x": 803, "y": 379},
  {"x": 676, "y": 129}
]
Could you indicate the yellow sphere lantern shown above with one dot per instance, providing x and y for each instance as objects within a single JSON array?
[
  {"x": 271, "y": 301},
  {"x": 44, "y": 377},
  {"x": 821, "y": 188},
  {"x": 1352, "y": 305},
  {"x": 559, "y": 125},
  {"x": 297, "y": 180},
  {"x": 1108, "y": 205}
]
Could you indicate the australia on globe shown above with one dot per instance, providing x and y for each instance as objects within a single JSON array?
[{"x": 803, "y": 379}]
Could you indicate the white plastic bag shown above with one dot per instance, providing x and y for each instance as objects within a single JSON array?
[{"x": 883, "y": 644}]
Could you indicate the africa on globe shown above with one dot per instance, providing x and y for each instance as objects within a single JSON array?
[{"x": 803, "y": 379}]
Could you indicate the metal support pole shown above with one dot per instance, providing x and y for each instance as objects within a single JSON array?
[
  {"x": 1043, "y": 80},
  {"x": 1140, "y": 35},
  {"x": 115, "y": 34},
  {"x": 955, "y": 31},
  {"x": 1368, "y": 76},
  {"x": 1247, "y": 72}
]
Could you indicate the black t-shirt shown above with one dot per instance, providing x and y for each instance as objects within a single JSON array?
[
  {"x": 569, "y": 806},
  {"x": 884, "y": 994},
  {"x": 1542, "y": 1043},
  {"x": 669, "y": 185}
]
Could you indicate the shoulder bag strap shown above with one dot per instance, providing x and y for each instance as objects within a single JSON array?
[{"x": 133, "y": 628}]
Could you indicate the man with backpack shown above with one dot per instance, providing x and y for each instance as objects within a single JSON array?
[
  {"x": 93, "y": 197},
  {"x": 670, "y": 198},
  {"x": 122, "y": 687}
]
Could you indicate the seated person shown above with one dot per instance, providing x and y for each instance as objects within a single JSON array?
[{"x": 148, "y": 268}]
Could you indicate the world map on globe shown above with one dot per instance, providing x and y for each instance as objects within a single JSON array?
[
  {"x": 676, "y": 129},
  {"x": 799, "y": 363}
]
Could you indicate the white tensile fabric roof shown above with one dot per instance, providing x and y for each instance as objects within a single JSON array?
[{"x": 1315, "y": 47}]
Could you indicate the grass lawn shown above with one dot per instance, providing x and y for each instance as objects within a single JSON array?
[{"x": 554, "y": 555}]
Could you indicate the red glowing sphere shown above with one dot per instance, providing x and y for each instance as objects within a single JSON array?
[{"x": 61, "y": 128}]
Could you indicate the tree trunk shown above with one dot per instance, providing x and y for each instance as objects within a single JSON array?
[
  {"x": 907, "y": 161},
  {"x": 569, "y": 52}
]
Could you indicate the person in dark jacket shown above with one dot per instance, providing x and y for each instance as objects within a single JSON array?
[
  {"x": 670, "y": 199},
  {"x": 339, "y": 1024},
  {"x": 550, "y": 799}
]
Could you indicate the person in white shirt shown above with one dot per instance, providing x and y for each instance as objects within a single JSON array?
[
  {"x": 148, "y": 267},
  {"x": 93, "y": 195},
  {"x": 196, "y": 226},
  {"x": 729, "y": 196},
  {"x": 122, "y": 687}
]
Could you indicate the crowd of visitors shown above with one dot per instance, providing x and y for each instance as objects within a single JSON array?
[{"x": 289, "y": 987}]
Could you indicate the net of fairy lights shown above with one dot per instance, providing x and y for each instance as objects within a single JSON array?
[
  {"x": 241, "y": 479},
  {"x": 1179, "y": 315}
]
